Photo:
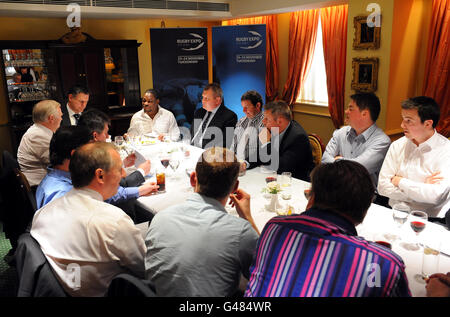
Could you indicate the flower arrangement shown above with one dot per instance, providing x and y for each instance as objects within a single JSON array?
[{"x": 272, "y": 188}]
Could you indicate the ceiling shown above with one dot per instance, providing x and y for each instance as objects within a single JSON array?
[{"x": 212, "y": 10}]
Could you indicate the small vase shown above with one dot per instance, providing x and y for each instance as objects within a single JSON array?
[{"x": 274, "y": 203}]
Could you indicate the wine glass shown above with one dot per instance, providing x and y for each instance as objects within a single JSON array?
[
  {"x": 165, "y": 161},
  {"x": 418, "y": 221},
  {"x": 400, "y": 213},
  {"x": 174, "y": 163},
  {"x": 118, "y": 141},
  {"x": 188, "y": 173}
]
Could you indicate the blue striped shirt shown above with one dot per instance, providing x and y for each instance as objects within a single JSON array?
[{"x": 317, "y": 254}]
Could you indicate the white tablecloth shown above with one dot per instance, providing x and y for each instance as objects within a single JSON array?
[{"x": 377, "y": 223}]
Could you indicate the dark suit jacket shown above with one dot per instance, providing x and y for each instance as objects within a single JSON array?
[
  {"x": 135, "y": 179},
  {"x": 223, "y": 118},
  {"x": 65, "y": 118},
  {"x": 294, "y": 153}
]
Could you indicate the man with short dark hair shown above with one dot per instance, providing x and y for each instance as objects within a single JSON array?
[
  {"x": 361, "y": 140},
  {"x": 245, "y": 140},
  {"x": 153, "y": 118},
  {"x": 77, "y": 99},
  {"x": 318, "y": 253},
  {"x": 87, "y": 241},
  {"x": 210, "y": 124},
  {"x": 284, "y": 142},
  {"x": 416, "y": 169},
  {"x": 98, "y": 123},
  {"x": 196, "y": 248}
]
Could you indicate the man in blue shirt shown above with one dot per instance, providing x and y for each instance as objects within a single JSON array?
[
  {"x": 57, "y": 182},
  {"x": 361, "y": 140},
  {"x": 318, "y": 253}
]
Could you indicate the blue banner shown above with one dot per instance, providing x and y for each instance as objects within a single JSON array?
[
  {"x": 239, "y": 62},
  {"x": 180, "y": 69}
]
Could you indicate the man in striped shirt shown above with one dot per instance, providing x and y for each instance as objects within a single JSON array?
[
  {"x": 318, "y": 253},
  {"x": 245, "y": 139}
]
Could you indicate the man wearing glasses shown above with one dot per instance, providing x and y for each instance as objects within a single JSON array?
[{"x": 153, "y": 119}]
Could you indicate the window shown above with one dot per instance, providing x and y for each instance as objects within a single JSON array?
[{"x": 314, "y": 90}]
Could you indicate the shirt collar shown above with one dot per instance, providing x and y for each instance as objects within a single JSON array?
[
  {"x": 431, "y": 143},
  {"x": 58, "y": 172},
  {"x": 202, "y": 199},
  {"x": 365, "y": 135},
  {"x": 334, "y": 218},
  {"x": 280, "y": 136},
  {"x": 88, "y": 192}
]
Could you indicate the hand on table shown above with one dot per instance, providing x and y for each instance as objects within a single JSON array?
[
  {"x": 438, "y": 285},
  {"x": 161, "y": 137},
  {"x": 148, "y": 188}
]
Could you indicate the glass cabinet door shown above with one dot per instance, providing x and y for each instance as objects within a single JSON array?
[{"x": 27, "y": 80}]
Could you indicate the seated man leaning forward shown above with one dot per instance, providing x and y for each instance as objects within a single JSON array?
[
  {"x": 32, "y": 154},
  {"x": 196, "y": 248},
  {"x": 57, "y": 182},
  {"x": 416, "y": 169},
  {"x": 318, "y": 253},
  {"x": 79, "y": 230},
  {"x": 153, "y": 119}
]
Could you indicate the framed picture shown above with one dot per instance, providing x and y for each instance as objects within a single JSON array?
[
  {"x": 365, "y": 74},
  {"x": 365, "y": 37}
]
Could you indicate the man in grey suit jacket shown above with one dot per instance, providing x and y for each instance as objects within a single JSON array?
[{"x": 77, "y": 99}]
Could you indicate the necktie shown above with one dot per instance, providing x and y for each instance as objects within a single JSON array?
[
  {"x": 76, "y": 116},
  {"x": 208, "y": 113},
  {"x": 198, "y": 136}
]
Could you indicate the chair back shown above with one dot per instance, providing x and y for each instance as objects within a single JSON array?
[
  {"x": 317, "y": 148},
  {"x": 36, "y": 277},
  {"x": 19, "y": 202},
  {"x": 127, "y": 285}
]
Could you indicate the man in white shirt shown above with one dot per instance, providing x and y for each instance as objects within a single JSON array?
[
  {"x": 416, "y": 169},
  {"x": 154, "y": 119},
  {"x": 87, "y": 241},
  {"x": 33, "y": 152},
  {"x": 77, "y": 99}
]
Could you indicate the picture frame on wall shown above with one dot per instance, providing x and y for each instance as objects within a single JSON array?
[
  {"x": 365, "y": 74},
  {"x": 366, "y": 37}
]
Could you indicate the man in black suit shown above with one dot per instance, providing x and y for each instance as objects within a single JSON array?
[
  {"x": 77, "y": 99},
  {"x": 212, "y": 120},
  {"x": 284, "y": 144}
]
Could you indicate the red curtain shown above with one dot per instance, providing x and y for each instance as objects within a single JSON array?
[
  {"x": 302, "y": 40},
  {"x": 436, "y": 82},
  {"x": 334, "y": 32},
  {"x": 272, "y": 72}
]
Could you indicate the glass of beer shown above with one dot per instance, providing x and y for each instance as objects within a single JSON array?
[{"x": 161, "y": 181}]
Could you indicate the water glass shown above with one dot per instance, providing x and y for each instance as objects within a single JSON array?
[
  {"x": 118, "y": 141},
  {"x": 430, "y": 261}
]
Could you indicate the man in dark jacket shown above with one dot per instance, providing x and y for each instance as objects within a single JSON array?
[{"x": 210, "y": 124}]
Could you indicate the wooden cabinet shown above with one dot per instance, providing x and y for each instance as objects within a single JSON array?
[{"x": 109, "y": 69}]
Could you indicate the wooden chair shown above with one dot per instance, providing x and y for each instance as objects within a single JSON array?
[{"x": 317, "y": 148}]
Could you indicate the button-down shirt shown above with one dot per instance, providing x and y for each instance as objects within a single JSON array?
[
  {"x": 163, "y": 123},
  {"x": 245, "y": 139},
  {"x": 70, "y": 112},
  {"x": 198, "y": 249},
  {"x": 33, "y": 153},
  {"x": 317, "y": 254},
  {"x": 58, "y": 182},
  {"x": 87, "y": 242},
  {"x": 369, "y": 148},
  {"x": 416, "y": 163}
]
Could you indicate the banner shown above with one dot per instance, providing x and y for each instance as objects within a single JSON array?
[
  {"x": 239, "y": 62},
  {"x": 180, "y": 69}
]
